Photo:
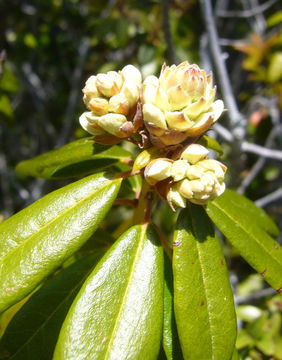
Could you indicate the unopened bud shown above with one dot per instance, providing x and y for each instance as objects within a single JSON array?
[
  {"x": 175, "y": 198},
  {"x": 178, "y": 169},
  {"x": 194, "y": 153},
  {"x": 111, "y": 123},
  {"x": 89, "y": 123},
  {"x": 99, "y": 106},
  {"x": 158, "y": 170}
]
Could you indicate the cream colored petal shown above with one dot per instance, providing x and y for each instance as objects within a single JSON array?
[
  {"x": 215, "y": 166},
  {"x": 106, "y": 85},
  {"x": 216, "y": 109},
  {"x": 99, "y": 106},
  {"x": 177, "y": 120},
  {"x": 116, "y": 77},
  {"x": 184, "y": 188},
  {"x": 194, "y": 172},
  {"x": 90, "y": 89},
  {"x": 111, "y": 123},
  {"x": 194, "y": 110},
  {"x": 130, "y": 72},
  {"x": 177, "y": 97},
  {"x": 130, "y": 91},
  {"x": 196, "y": 186},
  {"x": 87, "y": 125},
  {"x": 118, "y": 104},
  {"x": 178, "y": 169},
  {"x": 161, "y": 100},
  {"x": 152, "y": 80},
  {"x": 194, "y": 153},
  {"x": 148, "y": 93},
  {"x": 159, "y": 170},
  {"x": 176, "y": 198},
  {"x": 153, "y": 115}
]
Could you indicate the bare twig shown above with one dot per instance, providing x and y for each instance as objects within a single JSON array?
[
  {"x": 167, "y": 33},
  {"x": 255, "y": 296},
  {"x": 259, "y": 164},
  {"x": 275, "y": 195},
  {"x": 261, "y": 151},
  {"x": 236, "y": 119},
  {"x": 223, "y": 132},
  {"x": 246, "y": 13},
  {"x": 74, "y": 93}
]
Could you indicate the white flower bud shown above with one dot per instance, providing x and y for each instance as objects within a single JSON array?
[
  {"x": 175, "y": 198},
  {"x": 87, "y": 123},
  {"x": 194, "y": 153},
  {"x": 158, "y": 170},
  {"x": 112, "y": 97},
  {"x": 178, "y": 169},
  {"x": 111, "y": 123}
]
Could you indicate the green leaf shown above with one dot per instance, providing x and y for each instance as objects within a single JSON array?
[
  {"x": 118, "y": 312},
  {"x": 211, "y": 143},
  {"x": 8, "y": 82},
  {"x": 77, "y": 158},
  {"x": 33, "y": 332},
  {"x": 245, "y": 228},
  {"x": 6, "y": 110},
  {"x": 171, "y": 343},
  {"x": 274, "y": 72},
  {"x": 145, "y": 157},
  {"x": 204, "y": 308},
  {"x": 41, "y": 237}
]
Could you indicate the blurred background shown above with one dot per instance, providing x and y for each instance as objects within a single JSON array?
[{"x": 48, "y": 48}]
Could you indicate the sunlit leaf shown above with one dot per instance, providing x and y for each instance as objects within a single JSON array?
[
  {"x": 41, "y": 237},
  {"x": 118, "y": 312},
  {"x": 203, "y": 299},
  {"x": 77, "y": 158}
]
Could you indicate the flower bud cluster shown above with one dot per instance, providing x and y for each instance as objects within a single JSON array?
[
  {"x": 164, "y": 114},
  {"x": 179, "y": 104},
  {"x": 193, "y": 177},
  {"x": 111, "y": 99}
]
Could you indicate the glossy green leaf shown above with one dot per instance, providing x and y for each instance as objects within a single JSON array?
[
  {"x": 74, "y": 159},
  {"x": 211, "y": 143},
  {"x": 171, "y": 343},
  {"x": 118, "y": 313},
  {"x": 203, "y": 299},
  {"x": 244, "y": 228},
  {"x": 145, "y": 157},
  {"x": 251, "y": 211},
  {"x": 41, "y": 237},
  {"x": 33, "y": 332}
]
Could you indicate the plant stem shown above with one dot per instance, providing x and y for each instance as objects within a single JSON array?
[{"x": 142, "y": 212}]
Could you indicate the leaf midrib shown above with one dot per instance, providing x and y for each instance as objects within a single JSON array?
[
  {"x": 2, "y": 262},
  {"x": 250, "y": 234},
  {"x": 203, "y": 277},
  {"x": 124, "y": 297}
]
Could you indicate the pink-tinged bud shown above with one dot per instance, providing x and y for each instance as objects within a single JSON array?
[{"x": 185, "y": 95}]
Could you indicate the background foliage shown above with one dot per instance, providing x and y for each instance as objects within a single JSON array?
[{"x": 53, "y": 46}]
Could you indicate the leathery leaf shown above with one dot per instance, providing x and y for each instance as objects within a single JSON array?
[
  {"x": 171, "y": 344},
  {"x": 80, "y": 157},
  {"x": 41, "y": 237},
  {"x": 119, "y": 310},
  {"x": 246, "y": 228},
  {"x": 34, "y": 330},
  {"x": 203, "y": 299}
]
